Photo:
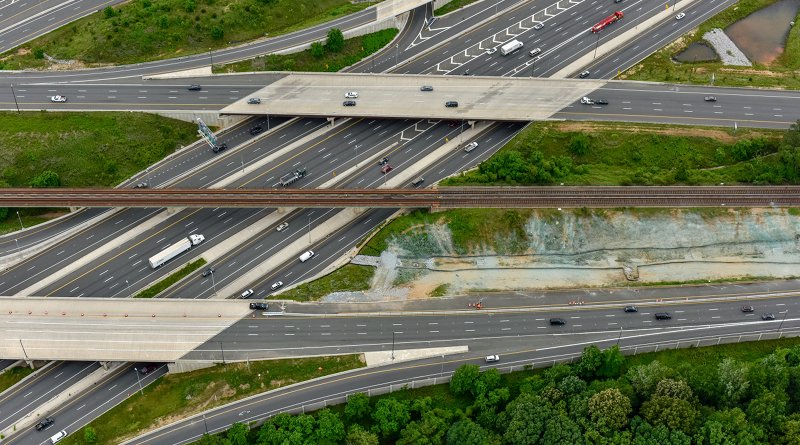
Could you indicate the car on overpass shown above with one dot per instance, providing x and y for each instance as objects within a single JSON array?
[
  {"x": 426, "y": 88},
  {"x": 349, "y": 103},
  {"x": 58, "y": 98},
  {"x": 351, "y": 95},
  {"x": 259, "y": 306},
  {"x": 254, "y": 101},
  {"x": 451, "y": 104}
]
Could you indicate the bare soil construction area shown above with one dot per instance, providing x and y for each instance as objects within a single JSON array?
[{"x": 591, "y": 249}]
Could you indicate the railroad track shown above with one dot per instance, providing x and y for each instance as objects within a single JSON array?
[{"x": 442, "y": 198}]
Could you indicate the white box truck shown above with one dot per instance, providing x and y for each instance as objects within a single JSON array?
[
  {"x": 510, "y": 47},
  {"x": 175, "y": 249}
]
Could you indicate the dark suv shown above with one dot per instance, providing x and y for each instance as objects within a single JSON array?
[
  {"x": 147, "y": 369},
  {"x": 451, "y": 104},
  {"x": 44, "y": 423},
  {"x": 663, "y": 316},
  {"x": 207, "y": 272},
  {"x": 256, "y": 130},
  {"x": 219, "y": 148},
  {"x": 558, "y": 321},
  {"x": 259, "y": 306}
]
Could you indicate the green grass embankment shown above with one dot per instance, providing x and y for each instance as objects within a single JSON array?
[
  {"x": 350, "y": 277},
  {"x": 173, "y": 278},
  {"x": 145, "y": 30}
]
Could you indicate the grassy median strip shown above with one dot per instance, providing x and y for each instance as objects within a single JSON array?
[
  {"x": 144, "y": 30},
  {"x": 354, "y": 50},
  {"x": 176, "y": 396},
  {"x": 176, "y": 276},
  {"x": 660, "y": 67},
  {"x": 12, "y": 376},
  {"x": 348, "y": 278},
  {"x": 452, "y": 6}
]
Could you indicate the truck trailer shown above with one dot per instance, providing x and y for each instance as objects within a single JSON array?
[
  {"x": 607, "y": 21},
  {"x": 510, "y": 47},
  {"x": 292, "y": 177},
  {"x": 175, "y": 249}
]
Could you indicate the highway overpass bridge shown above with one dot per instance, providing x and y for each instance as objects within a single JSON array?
[
  {"x": 399, "y": 96},
  {"x": 435, "y": 198}
]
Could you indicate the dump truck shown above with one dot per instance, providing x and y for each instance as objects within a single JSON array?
[
  {"x": 292, "y": 177},
  {"x": 607, "y": 21},
  {"x": 175, "y": 249},
  {"x": 510, "y": 47}
]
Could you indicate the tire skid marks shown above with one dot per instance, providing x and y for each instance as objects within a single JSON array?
[{"x": 515, "y": 30}]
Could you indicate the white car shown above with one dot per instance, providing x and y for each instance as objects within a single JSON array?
[
  {"x": 491, "y": 50},
  {"x": 539, "y": 25},
  {"x": 680, "y": 16},
  {"x": 471, "y": 146},
  {"x": 492, "y": 358},
  {"x": 351, "y": 95},
  {"x": 586, "y": 101},
  {"x": 58, "y": 98},
  {"x": 282, "y": 226},
  {"x": 247, "y": 294},
  {"x": 277, "y": 284}
]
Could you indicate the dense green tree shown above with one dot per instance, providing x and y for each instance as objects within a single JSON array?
[
  {"x": 768, "y": 374},
  {"x": 390, "y": 416},
  {"x": 590, "y": 361},
  {"x": 488, "y": 380},
  {"x": 210, "y": 439},
  {"x": 609, "y": 409},
  {"x": 733, "y": 381},
  {"x": 317, "y": 50},
  {"x": 790, "y": 431},
  {"x": 528, "y": 415},
  {"x": 335, "y": 41},
  {"x": 674, "y": 388},
  {"x": 644, "y": 378},
  {"x": 359, "y": 436},
  {"x": 791, "y": 137},
  {"x": 611, "y": 364},
  {"x": 488, "y": 405},
  {"x": 571, "y": 385},
  {"x": 464, "y": 379},
  {"x": 729, "y": 427},
  {"x": 671, "y": 412},
  {"x": 237, "y": 434},
  {"x": 286, "y": 428},
  {"x": 46, "y": 178},
  {"x": 646, "y": 434},
  {"x": 429, "y": 430},
  {"x": 767, "y": 410},
  {"x": 560, "y": 429},
  {"x": 556, "y": 373},
  {"x": 330, "y": 428},
  {"x": 357, "y": 407},
  {"x": 466, "y": 432}
]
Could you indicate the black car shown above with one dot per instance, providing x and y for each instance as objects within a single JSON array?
[
  {"x": 584, "y": 74},
  {"x": 349, "y": 103},
  {"x": 451, "y": 104},
  {"x": 44, "y": 423},
  {"x": 147, "y": 369},
  {"x": 219, "y": 148},
  {"x": 383, "y": 161},
  {"x": 768, "y": 316},
  {"x": 259, "y": 306},
  {"x": 600, "y": 102},
  {"x": 663, "y": 316},
  {"x": 558, "y": 321},
  {"x": 256, "y": 130},
  {"x": 631, "y": 309},
  {"x": 207, "y": 272},
  {"x": 194, "y": 87}
]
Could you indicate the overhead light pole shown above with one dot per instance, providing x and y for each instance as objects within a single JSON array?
[
  {"x": 138, "y": 379},
  {"x": 15, "y": 97}
]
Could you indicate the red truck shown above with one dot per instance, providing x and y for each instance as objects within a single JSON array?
[{"x": 607, "y": 21}]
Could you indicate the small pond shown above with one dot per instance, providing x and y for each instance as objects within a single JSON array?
[
  {"x": 762, "y": 35},
  {"x": 697, "y": 52}
]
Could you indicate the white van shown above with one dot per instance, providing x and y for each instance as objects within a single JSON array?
[
  {"x": 306, "y": 256},
  {"x": 58, "y": 436}
]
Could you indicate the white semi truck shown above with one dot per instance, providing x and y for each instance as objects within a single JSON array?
[
  {"x": 510, "y": 47},
  {"x": 175, "y": 249}
]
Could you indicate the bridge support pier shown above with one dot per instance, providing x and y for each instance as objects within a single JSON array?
[
  {"x": 105, "y": 365},
  {"x": 472, "y": 124},
  {"x": 332, "y": 120}
]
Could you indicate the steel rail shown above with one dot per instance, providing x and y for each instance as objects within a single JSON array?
[{"x": 441, "y": 198}]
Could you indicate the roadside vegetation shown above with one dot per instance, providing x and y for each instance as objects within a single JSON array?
[
  {"x": 173, "y": 278},
  {"x": 733, "y": 394},
  {"x": 336, "y": 54},
  {"x": 11, "y": 376},
  {"x": 597, "y": 153},
  {"x": 452, "y": 6},
  {"x": 52, "y": 149},
  {"x": 351, "y": 277},
  {"x": 659, "y": 67},
  {"x": 145, "y": 30},
  {"x": 176, "y": 396}
]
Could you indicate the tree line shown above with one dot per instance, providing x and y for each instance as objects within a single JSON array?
[{"x": 601, "y": 399}]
